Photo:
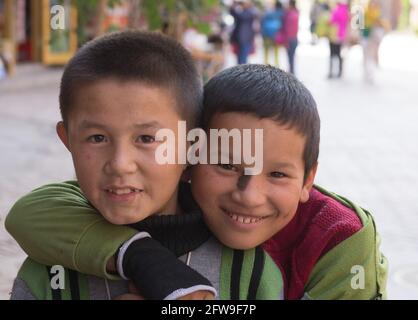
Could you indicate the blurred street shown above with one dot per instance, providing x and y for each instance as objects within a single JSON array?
[{"x": 368, "y": 152}]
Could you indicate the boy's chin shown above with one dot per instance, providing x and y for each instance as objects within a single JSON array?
[
  {"x": 239, "y": 245},
  {"x": 123, "y": 218}
]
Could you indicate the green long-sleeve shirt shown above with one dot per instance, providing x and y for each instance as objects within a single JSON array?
[
  {"x": 82, "y": 239},
  {"x": 61, "y": 212},
  {"x": 55, "y": 224}
]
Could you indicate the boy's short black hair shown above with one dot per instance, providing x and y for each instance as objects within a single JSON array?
[
  {"x": 148, "y": 57},
  {"x": 266, "y": 92}
]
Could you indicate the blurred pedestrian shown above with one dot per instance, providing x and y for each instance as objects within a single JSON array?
[
  {"x": 242, "y": 38},
  {"x": 340, "y": 18},
  {"x": 323, "y": 26},
  {"x": 314, "y": 15},
  {"x": 206, "y": 50},
  {"x": 372, "y": 36},
  {"x": 271, "y": 24},
  {"x": 291, "y": 28},
  {"x": 3, "y": 71}
]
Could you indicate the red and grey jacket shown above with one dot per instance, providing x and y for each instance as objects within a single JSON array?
[{"x": 323, "y": 247}]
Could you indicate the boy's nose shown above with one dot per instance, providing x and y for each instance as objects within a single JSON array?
[
  {"x": 121, "y": 162},
  {"x": 251, "y": 193}
]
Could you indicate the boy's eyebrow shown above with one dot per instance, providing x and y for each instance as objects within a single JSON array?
[
  {"x": 288, "y": 165},
  {"x": 86, "y": 124},
  {"x": 151, "y": 124}
]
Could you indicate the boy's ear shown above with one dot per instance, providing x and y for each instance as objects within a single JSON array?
[
  {"x": 308, "y": 183},
  {"x": 62, "y": 134}
]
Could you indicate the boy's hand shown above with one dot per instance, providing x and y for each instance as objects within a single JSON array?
[
  {"x": 132, "y": 295},
  {"x": 129, "y": 296},
  {"x": 158, "y": 274},
  {"x": 198, "y": 295}
]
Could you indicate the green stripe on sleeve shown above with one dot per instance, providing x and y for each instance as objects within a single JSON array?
[
  {"x": 246, "y": 272},
  {"x": 225, "y": 274},
  {"x": 271, "y": 283}
]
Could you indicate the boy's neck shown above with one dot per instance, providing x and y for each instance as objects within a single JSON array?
[
  {"x": 172, "y": 207},
  {"x": 167, "y": 228}
]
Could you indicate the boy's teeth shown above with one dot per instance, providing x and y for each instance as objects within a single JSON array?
[
  {"x": 245, "y": 220},
  {"x": 123, "y": 191}
]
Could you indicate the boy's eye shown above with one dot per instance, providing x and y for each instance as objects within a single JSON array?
[
  {"x": 97, "y": 138},
  {"x": 228, "y": 167},
  {"x": 146, "y": 139},
  {"x": 277, "y": 174}
]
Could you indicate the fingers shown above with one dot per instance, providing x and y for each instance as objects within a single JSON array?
[{"x": 129, "y": 296}]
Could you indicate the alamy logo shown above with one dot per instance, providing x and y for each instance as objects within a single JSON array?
[
  {"x": 198, "y": 152},
  {"x": 57, "y": 17},
  {"x": 57, "y": 277},
  {"x": 358, "y": 280}
]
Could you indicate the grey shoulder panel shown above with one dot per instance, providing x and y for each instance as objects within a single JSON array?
[
  {"x": 207, "y": 261},
  {"x": 21, "y": 291}
]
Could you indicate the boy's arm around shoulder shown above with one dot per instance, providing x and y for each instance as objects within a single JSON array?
[{"x": 55, "y": 224}]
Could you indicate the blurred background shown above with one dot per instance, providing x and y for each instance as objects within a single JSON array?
[{"x": 359, "y": 59}]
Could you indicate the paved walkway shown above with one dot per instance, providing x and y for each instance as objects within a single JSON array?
[{"x": 369, "y": 150}]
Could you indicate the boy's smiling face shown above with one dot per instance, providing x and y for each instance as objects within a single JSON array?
[
  {"x": 110, "y": 134},
  {"x": 244, "y": 214}
]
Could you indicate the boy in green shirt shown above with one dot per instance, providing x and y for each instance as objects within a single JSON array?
[{"x": 116, "y": 93}]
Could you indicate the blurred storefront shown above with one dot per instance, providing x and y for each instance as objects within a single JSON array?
[{"x": 27, "y": 33}]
